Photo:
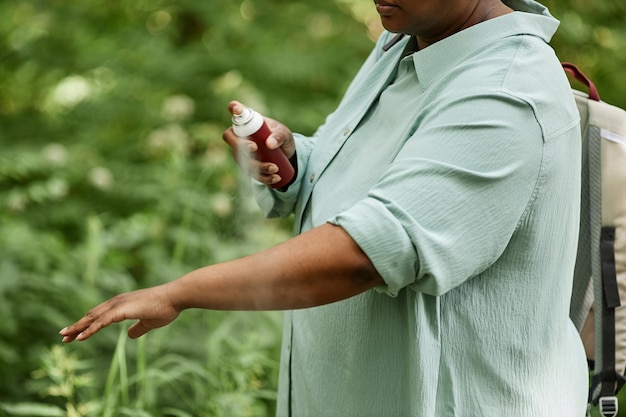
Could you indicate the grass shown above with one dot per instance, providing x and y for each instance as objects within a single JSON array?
[
  {"x": 206, "y": 364},
  {"x": 229, "y": 371}
]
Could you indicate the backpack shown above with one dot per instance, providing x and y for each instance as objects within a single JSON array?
[{"x": 598, "y": 307}]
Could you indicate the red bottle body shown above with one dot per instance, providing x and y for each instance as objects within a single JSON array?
[{"x": 250, "y": 124}]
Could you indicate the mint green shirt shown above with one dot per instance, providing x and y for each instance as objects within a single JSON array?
[{"x": 457, "y": 173}]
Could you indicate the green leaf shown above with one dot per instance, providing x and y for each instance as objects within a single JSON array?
[{"x": 32, "y": 410}]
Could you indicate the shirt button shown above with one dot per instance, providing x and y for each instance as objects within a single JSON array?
[
  {"x": 346, "y": 131},
  {"x": 312, "y": 178}
]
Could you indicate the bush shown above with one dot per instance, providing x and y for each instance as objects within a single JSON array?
[{"x": 113, "y": 176}]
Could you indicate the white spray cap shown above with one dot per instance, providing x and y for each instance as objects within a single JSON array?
[
  {"x": 247, "y": 122},
  {"x": 244, "y": 117}
]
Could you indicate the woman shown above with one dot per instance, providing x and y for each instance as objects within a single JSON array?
[{"x": 436, "y": 214}]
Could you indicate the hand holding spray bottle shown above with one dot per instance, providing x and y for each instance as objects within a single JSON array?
[{"x": 250, "y": 124}]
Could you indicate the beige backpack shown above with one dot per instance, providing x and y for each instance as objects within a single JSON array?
[{"x": 598, "y": 306}]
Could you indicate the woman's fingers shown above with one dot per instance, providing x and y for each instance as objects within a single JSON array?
[
  {"x": 150, "y": 306},
  {"x": 281, "y": 137},
  {"x": 92, "y": 322},
  {"x": 243, "y": 152}
]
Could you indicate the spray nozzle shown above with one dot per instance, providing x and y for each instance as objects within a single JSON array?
[{"x": 243, "y": 116}]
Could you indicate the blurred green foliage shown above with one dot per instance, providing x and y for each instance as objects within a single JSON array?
[
  {"x": 113, "y": 176},
  {"x": 592, "y": 35}
]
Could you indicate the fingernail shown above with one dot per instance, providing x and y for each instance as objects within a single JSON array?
[
  {"x": 271, "y": 142},
  {"x": 79, "y": 337},
  {"x": 62, "y": 330}
]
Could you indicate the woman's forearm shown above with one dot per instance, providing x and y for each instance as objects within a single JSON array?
[{"x": 318, "y": 267}]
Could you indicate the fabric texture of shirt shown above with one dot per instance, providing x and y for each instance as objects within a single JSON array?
[{"x": 457, "y": 170}]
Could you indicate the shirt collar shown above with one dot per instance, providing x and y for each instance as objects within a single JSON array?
[{"x": 530, "y": 18}]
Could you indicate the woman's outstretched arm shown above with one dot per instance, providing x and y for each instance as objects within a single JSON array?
[{"x": 318, "y": 267}]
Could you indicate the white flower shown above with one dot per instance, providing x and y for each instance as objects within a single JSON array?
[
  {"x": 101, "y": 177},
  {"x": 57, "y": 187},
  {"x": 71, "y": 90},
  {"x": 178, "y": 107},
  {"x": 55, "y": 153},
  {"x": 170, "y": 138},
  {"x": 222, "y": 205}
]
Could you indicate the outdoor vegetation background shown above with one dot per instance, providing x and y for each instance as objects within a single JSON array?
[{"x": 113, "y": 176}]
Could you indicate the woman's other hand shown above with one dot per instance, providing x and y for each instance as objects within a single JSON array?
[{"x": 243, "y": 148}]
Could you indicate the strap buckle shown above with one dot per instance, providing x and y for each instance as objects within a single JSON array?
[{"x": 608, "y": 406}]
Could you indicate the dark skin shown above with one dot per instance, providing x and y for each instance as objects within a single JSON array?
[
  {"x": 433, "y": 20},
  {"x": 318, "y": 267}
]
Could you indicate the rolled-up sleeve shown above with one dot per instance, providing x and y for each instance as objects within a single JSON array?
[{"x": 449, "y": 203}]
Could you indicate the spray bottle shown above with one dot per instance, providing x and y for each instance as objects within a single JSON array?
[{"x": 250, "y": 124}]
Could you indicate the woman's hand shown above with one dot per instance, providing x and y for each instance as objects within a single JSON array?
[
  {"x": 150, "y": 306},
  {"x": 242, "y": 148}
]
